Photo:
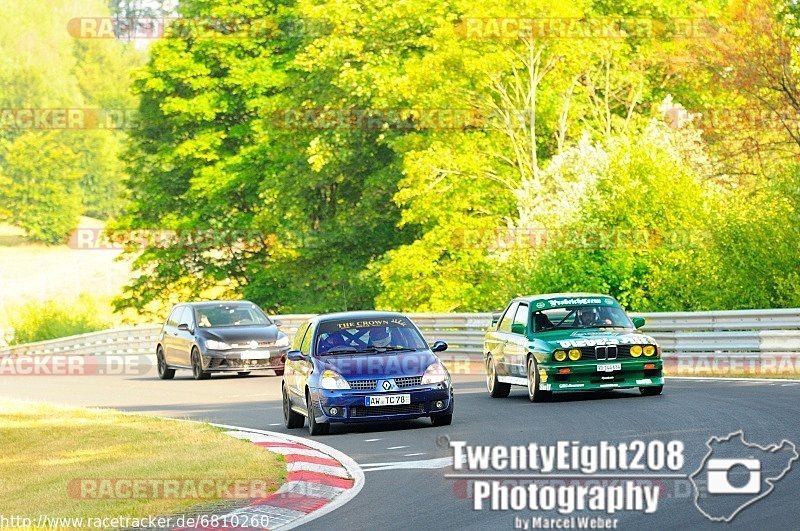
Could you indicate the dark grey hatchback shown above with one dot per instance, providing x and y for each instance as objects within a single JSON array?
[{"x": 219, "y": 336}]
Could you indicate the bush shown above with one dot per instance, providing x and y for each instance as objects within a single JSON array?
[{"x": 38, "y": 321}]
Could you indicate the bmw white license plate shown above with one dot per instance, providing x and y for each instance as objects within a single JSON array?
[
  {"x": 609, "y": 367},
  {"x": 255, "y": 355},
  {"x": 388, "y": 400}
]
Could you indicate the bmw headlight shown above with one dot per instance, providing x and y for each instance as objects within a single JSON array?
[
  {"x": 560, "y": 355},
  {"x": 333, "y": 380},
  {"x": 213, "y": 344},
  {"x": 435, "y": 373},
  {"x": 283, "y": 341},
  {"x": 574, "y": 354},
  {"x": 649, "y": 350},
  {"x": 636, "y": 351}
]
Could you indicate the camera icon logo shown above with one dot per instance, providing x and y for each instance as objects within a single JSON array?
[
  {"x": 735, "y": 474},
  {"x": 720, "y": 472}
]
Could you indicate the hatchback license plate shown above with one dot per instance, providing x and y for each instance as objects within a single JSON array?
[
  {"x": 255, "y": 355},
  {"x": 609, "y": 367},
  {"x": 388, "y": 400}
]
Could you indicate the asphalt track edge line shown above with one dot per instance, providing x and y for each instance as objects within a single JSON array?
[{"x": 347, "y": 462}]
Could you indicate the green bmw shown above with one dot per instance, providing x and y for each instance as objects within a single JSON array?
[{"x": 569, "y": 342}]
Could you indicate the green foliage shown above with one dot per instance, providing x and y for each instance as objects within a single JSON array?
[
  {"x": 39, "y": 321},
  {"x": 639, "y": 233},
  {"x": 757, "y": 241},
  {"x": 572, "y": 139},
  {"x": 42, "y": 191},
  {"x": 53, "y": 176}
]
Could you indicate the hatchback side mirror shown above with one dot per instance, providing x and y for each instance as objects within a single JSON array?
[
  {"x": 295, "y": 355},
  {"x": 439, "y": 346},
  {"x": 184, "y": 327},
  {"x": 638, "y": 322}
]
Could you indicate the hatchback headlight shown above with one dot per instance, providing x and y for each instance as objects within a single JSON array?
[
  {"x": 282, "y": 341},
  {"x": 213, "y": 344},
  {"x": 333, "y": 380},
  {"x": 435, "y": 373}
]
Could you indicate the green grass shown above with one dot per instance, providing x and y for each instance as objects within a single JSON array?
[
  {"x": 39, "y": 321},
  {"x": 32, "y": 272},
  {"x": 47, "y": 447}
]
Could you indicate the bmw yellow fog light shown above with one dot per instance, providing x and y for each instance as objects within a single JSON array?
[
  {"x": 560, "y": 355},
  {"x": 636, "y": 351},
  {"x": 649, "y": 350},
  {"x": 574, "y": 354},
  {"x": 542, "y": 375}
]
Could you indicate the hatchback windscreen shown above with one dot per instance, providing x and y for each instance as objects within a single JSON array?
[
  {"x": 580, "y": 317},
  {"x": 368, "y": 336},
  {"x": 221, "y": 315}
]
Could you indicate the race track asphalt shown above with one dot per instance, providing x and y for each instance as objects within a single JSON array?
[{"x": 406, "y": 487}]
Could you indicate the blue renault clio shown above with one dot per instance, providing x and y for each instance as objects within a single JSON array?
[{"x": 363, "y": 367}]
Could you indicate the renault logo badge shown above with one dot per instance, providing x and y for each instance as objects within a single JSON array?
[
  {"x": 386, "y": 385},
  {"x": 254, "y": 344}
]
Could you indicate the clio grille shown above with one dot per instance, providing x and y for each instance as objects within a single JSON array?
[
  {"x": 409, "y": 381},
  {"x": 363, "y": 385}
]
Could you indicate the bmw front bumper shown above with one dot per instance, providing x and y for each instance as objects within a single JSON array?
[{"x": 585, "y": 376}]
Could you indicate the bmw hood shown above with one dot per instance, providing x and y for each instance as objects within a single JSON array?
[{"x": 377, "y": 365}]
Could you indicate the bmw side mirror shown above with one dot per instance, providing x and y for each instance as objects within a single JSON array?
[
  {"x": 295, "y": 355},
  {"x": 638, "y": 322},
  {"x": 439, "y": 346}
]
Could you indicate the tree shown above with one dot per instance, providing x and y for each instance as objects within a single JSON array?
[{"x": 42, "y": 191}]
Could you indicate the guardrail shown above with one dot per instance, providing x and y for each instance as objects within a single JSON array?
[{"x": 735, "y": 335}]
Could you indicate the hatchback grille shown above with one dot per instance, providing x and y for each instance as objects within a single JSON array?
[
  {"x": 247, "y": 345},
  {"x": 238, "y": 364},
  {"x": 363, "y": 385},
  {"x": 379, "y": 411},
  {"x": 408, "y": 381}
]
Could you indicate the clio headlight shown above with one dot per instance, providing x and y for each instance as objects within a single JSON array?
[
  {"x": 332, "y": 380},
  {"x": 283, "y": 341},
  {"x": 435, "y": 373}
]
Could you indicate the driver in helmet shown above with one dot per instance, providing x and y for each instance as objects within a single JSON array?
[
  {"x": 379, "y": 337},
  {"x": 332, "y": 341},
  {"x": 587, "y": 317}
]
